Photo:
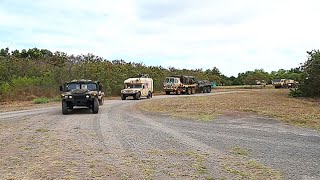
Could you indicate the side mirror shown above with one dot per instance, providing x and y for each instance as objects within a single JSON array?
[{"x": 61, "y": 88}]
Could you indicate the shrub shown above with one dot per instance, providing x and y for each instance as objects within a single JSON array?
[
  {"x": 42, "y": 100},
  {"x": 295, "y": 93},
  {"x": 55, "y": 99}
]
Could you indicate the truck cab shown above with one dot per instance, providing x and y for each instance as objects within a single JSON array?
[{"x": 171, "y": 84}]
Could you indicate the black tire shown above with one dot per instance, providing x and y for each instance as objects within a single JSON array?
[
  {"x": 101, "y": 101},
  {"x": 123, "y": 97},
  {"x": 204, "y": 90},
  {"x": 149, "y": 95},
  {"x": 209, "y": 90},
  {"x": 167, "y": 92},
  {"x": 188, "y": 91},
  {"x": 95, "y": 106},
  {"x": 194, "y": 91},
  {"x": 178, "y": 92},
  {"x": 137, "y": 96},
  {"x": 64, "y": 107}
]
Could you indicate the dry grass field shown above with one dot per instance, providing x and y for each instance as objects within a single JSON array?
[{"x": 274, "y": 103}]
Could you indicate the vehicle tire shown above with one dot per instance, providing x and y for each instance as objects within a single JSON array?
[
  {"x": 137, "y": 96},
  {"x": 64, "y": 107},
  {"x": 188, "y": 91},
  {"x": 178, "y": 92},
  {"x": 123, "y": 97},
  {"x": 193, "y": 90},
  {"x": 149, "y": 95},
  {"x": 204, "y": 90},
  {"x": 167, "y": 92},
  {"x": 95, "y": 106},
  {"x": 209, "y": 90},
  {"x": 101, "y": 101}
]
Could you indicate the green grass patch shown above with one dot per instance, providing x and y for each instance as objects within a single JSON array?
[
  {"x": 42, "y": 100},
  {"x": 42, "y": 130},
  {"x": 240, "y": 151},
  {"x": 55, "y": 99}
]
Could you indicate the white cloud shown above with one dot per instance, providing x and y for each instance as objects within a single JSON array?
[{"x": 234, "y": 36}]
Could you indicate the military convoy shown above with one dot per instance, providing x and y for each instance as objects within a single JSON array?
[
  {"x": 81, "y": 93},
  {"x": 284, "y": 83},
  {"x": 89, "y": 93},
  {"x": 179, "y": 84},
  {"x": 138, "y": 87}
]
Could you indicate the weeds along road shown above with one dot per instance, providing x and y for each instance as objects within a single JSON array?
[{"x": 122, "y": 143}]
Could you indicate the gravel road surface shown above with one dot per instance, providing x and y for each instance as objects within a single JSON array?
[{"x": 121, "y": 142}]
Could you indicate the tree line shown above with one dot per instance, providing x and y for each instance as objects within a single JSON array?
[{"x": 34, "y": 72}]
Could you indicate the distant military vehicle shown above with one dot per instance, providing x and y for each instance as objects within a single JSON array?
[
  {"x": 81, "y": 93},
  {"x": 141, "y": 86},
  {"x": 180, "y": 84},
  {"x": 284, "y": 83}
]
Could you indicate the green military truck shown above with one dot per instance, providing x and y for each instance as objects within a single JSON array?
[
  {"x": 180, "y": 84},
  {"x": 81, "y": 93}
]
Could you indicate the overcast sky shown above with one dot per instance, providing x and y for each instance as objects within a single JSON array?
[{"x": 232, "y": 35}]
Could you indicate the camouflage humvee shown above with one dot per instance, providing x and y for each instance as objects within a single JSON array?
[{"x": 81, "y": 93}]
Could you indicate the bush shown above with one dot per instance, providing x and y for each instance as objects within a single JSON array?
[
  {"x": 55, "y": 99},
  {"x": 295, "y": 93},
  {"x": 42, "y": 100}
]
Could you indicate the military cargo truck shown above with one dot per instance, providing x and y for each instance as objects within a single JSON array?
[
  {"x": 179, "y": 84},
  {"x": 141, "y": 86},
  {"x": 81, "y": 93},
  {"x": 284, "y": 83}
]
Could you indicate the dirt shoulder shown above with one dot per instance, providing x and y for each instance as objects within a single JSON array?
[{"x": 268, "y": 102}]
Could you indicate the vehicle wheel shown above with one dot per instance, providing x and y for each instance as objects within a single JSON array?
[
  {"x": 123, "y": 97},
  {"x": 65, "y": 107},
  {"x": 137, "y": 96},
  {"x": 178, "y": 92},
  {"x": 209, "y": 90},
  {"x": 204, "y": 90},
  {"x": 188, "y": 91},
  {"x": 95, "y": 106},
  {"x": 193, "y": 90},
  {"x": 149, "y": 95},
  {"x": 167, "y": 92},
  {"x": 101, "y": 101}
]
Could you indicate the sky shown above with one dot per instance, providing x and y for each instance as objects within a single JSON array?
[{"x": 233, "y": 35}]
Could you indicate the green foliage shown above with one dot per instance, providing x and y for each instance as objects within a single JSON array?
[
  {"x": 5, "y": 88},
  {"x": 310, "y": 84},
  {"x": 295, "y": 93},
  {"x": 55, "y": 99},
  {"x": 42, "y": 100},
  {"x": 29, "y": 73}
]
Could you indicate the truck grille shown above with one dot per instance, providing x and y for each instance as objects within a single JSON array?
[{"x": 79, "y": 97}]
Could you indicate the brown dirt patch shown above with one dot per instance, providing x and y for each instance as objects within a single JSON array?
[{"x": 268, "y": 102}]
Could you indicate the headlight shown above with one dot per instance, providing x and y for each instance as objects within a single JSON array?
[
  {"x": 65, "y": 96},
  {"x": 87, "y": 96},
  {"x": 70, "y": 97}
]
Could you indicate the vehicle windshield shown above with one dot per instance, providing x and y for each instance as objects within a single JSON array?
[
  {"x": 134, "y": 85},
  {"x": 169, "y": 80},
  {"x": 276, "y": 80},
  {"x": 88, "y": 86}
]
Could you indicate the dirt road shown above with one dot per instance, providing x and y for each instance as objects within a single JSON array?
[{"x": 122, "y": 143}]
